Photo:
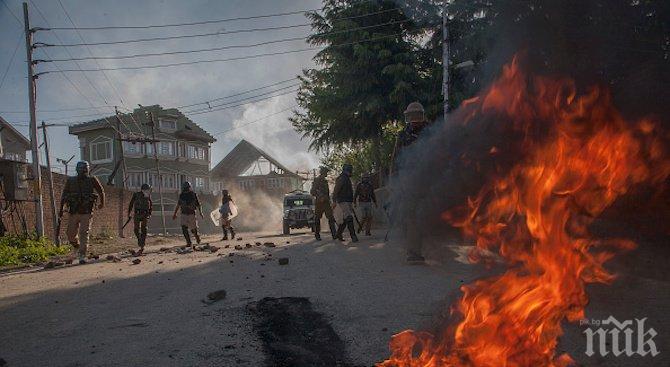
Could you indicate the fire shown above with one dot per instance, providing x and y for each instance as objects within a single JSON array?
[{"x": 536, "y": 215}]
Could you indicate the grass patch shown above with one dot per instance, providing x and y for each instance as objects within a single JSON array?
[{"x": 21, "y": 249}]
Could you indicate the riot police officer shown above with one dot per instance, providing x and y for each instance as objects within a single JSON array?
[
  {"x": 142, "y": 205},
  {"x": 415, "y": 119},
  {"x": 366, "y": 201},
  {"x": 343, "y": 197},
  {"x": 81, "y": 193},
  {"x": 188, "y": 203},
  {"x": 321, "y": 193}
]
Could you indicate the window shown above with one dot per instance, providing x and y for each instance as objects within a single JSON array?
[
  {"x": 149, "y": 149},
  {"x": 135, "y": 179},
  {"x": 101, "y": 151},
  {"x": 166, "y": 148},
  {"x": 247, "y": 184},
  {"x": 182, "y": 149},
  {"x": 168, "y": 125},
  {"x": 195, "y": 152},
  {"x": 132, "y": 148},
  {"x": 199, "y": 182},
  {"x": 169, "y": 181},
  {"x": 273, "y": 183}
]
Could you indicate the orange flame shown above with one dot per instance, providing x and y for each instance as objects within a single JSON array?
[{"x": 536, "y": 215}]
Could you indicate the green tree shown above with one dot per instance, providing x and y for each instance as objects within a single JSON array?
[{"x": 366, "y": 74}]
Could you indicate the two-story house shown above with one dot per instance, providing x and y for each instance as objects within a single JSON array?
[
  {"x": 13, "y": 145},
  {"x": 182, "y": 148}
]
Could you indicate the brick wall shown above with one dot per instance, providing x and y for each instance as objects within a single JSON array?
[{"x": 107, "y": 220}]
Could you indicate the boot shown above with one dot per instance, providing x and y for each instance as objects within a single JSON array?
[
  {"x": 232, "y": 233},
  {"x": 317, "y": 231},
  {"x": 196, "y": 235},
  {"x": 187, "y": 236},
  {"x": 340, "y": 231},
  {"x": 333, "y": 230},
  {"x": 225, "y": 234},
  {"x": 352, "y": 230}
]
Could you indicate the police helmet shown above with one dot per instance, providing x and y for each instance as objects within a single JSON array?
[
  {"x": 414, "y": 113},
  {"x": 145, "y": 187},
  {"x": 347, "y": 168},
  {"x": 82, "y": 167},
  {"x": 324, "y": 170},
  {"x": 185, "y": 186}
]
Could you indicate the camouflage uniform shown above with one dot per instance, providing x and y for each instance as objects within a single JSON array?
[
  {"x": 365, "y": 197},
  {"x": 189, "y": 203},
  {"x": 142, "y": 206},
  {"x": 322, "y": 205},
  {"x": 343, "y": 196},
  {"x": 81, "y": 194}
]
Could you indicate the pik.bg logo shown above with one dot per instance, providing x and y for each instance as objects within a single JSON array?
[{"x": 625, "y": 338}]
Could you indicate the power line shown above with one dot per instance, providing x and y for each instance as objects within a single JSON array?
[
  {"x": 228, "y": 106},
  {"x": 157, "y": 66},
  {"x": 238, "y": 94},
  {"x": 109, "y": 81},
  {"x": 11, "y": 60},
  {"x": 236, "y": 31},
  {"x": 215, "y": 21},
  {"x": 209, "y": 107},
  {"x": 58, "y": 110},
  {"x": 248, "y": 30},
  {"x": 120, "y": 57},
  {"x": 218, "y": 20}
]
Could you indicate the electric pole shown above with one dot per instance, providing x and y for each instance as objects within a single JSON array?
[
  {"x": 152, "y": 124},
  {"x": 65, "y": 163},
  {"x": 37, "y": 176},
  {"x": 52, "y": 197},
  {"x": 445, "y": 59}
]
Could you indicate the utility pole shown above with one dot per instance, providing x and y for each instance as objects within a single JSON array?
[
  {"x": 445, "y": 59},
  {"x": 120, "y": 138},
  {"x": 37, "y": 176},
  {"x": 52, "y": 197},
  {"x": 152, "y": 124}
]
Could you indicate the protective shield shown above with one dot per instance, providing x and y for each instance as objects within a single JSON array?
[{"x": 226, "y": 212}]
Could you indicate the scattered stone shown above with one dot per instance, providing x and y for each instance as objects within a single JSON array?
[
  {"x": 262, "y": 276},
  {"x": 94, "y": 257},
  {"x": 165, "y": 249},
  {"x": 258, "y": 243},
  {"x": 217, "y": 295},
  {"x": 231, "y": 261},
  {"x": 160, "y": 262},
  {"x": 137, "y": 261},
  {"x": 385, "y": 329},
  {"x": 288, "y": 242},
  {"x": 247, "y": 245},
  {"x": 226, "y": 246},
  {"x": 186, "y": 250},
  {"x": 2, "y": 362},
  {"x": 239, "y": 238},
  {"x": 231, "y": 254},
  {"x": 230, "y": 346},
  {"x": 113, "y": 258},
  {"x": 213, "y": 249},
  {"x": 262, "y": 264},
  {"x": 269, "y": 244},
  {"x": 238, "y": 247},
  {"x": 283, "y": 261},
  {"x": 103, "y": 280}
]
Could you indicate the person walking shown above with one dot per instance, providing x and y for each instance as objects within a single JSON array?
[
  {"x": 227, "y": 211},
  {"x": 81, "y": 193},
  {"x": 366, "y": 201},
  {"x": 343, "y": 198},
  {"x": 188, "y": 203},
  {"x": 140, "y": 209},
  {"x": 322, "y": 205}
]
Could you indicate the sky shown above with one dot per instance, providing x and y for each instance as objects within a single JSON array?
[{"x": 169, "y": 87}]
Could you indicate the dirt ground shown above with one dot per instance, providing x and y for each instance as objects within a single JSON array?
[{"x": 157, "y": 313}]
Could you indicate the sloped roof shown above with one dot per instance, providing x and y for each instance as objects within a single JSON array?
[
  {"x": 191, "y": 130},
  {"x": 241, "y": 158},
  {"x": 22, "y": 139}
]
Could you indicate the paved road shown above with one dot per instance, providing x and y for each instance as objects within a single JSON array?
[{"x": 152, "y": 314}]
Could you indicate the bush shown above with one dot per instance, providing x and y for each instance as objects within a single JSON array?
[{"x": 22, "y": 249}]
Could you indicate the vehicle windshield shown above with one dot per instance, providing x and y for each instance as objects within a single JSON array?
[{"x": 297, "y": 202}]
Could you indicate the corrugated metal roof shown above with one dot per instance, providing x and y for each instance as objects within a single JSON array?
[{"x": 241, "y": 158}]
